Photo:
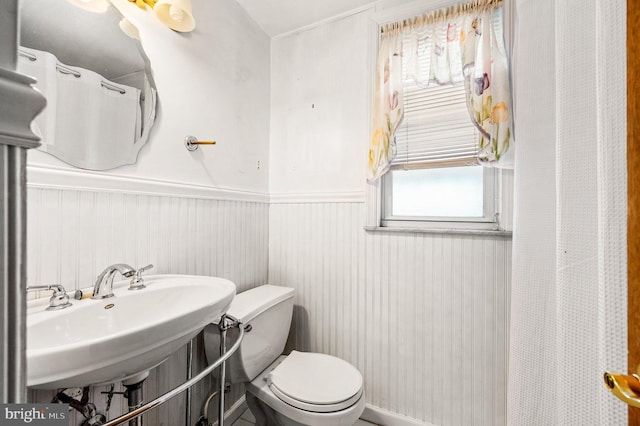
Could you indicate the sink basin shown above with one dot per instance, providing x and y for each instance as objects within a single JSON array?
[{"x": 109, "y": 340}]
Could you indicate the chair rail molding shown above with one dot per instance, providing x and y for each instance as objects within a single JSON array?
[{"x": 50, "y": 177}]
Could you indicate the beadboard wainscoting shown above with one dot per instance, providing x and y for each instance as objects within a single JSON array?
[
  {"x": 74, "y": 234},
  {"x": 424, "y": 317}
]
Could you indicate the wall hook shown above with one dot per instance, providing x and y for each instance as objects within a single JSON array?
[{"x": 191, "y": 142}]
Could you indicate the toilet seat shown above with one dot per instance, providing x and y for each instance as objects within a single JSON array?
[{"x": 316, "y": 382}]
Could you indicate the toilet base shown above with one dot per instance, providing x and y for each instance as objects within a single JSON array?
[
  {"x": 264, "y": 415},
  {"x": 267, "y": 416}
]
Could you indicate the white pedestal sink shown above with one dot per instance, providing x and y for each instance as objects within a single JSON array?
[{"x": 109, "y": 340}]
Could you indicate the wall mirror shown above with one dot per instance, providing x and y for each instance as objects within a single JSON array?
[{"x": 101, "y": 98}]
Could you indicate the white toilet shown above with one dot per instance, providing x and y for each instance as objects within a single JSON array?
[{"x": 301, "y": 388}]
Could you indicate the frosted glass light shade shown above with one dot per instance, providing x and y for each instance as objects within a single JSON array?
[
  {"x": 176, "y": 14},
  {"x": 129, "y": 29}
]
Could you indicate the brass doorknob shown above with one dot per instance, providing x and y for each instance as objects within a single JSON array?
[{"x": 624, "y": 387}]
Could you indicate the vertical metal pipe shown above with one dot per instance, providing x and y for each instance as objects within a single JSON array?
[
  {"x": 201, "y": 375},
  {"x": 223, "y": 350},
  {"x": 13, "y": 272},
  {"x": 135, "y": 400},
  {"x": 188, "y": 396}
]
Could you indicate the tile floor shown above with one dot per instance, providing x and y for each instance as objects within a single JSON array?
[{"x": 247, "y": 419}]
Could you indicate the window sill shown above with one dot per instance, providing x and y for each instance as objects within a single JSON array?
[{"x": 485, "y": 232}]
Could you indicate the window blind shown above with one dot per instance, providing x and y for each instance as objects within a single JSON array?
[{"x": 436, "y": 129}]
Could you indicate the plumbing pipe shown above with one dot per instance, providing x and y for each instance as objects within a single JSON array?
[
  {"x": 135, "y": 400},
  {"x": 84, "y": 407},
  {"x": 176, "y": 391},
  {"x": 188, "y": 396},
  {"x": 223, "y": 349},
  {"x": 204, "y": 418}
]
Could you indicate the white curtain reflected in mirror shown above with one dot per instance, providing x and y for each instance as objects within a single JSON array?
[{"x": 101, "y": 100}]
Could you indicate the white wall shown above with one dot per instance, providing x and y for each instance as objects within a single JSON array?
[
  {"x": 212, "y": 83},
  {"x": 319, "y": 108},
  {"x": 423, "y": 316}
]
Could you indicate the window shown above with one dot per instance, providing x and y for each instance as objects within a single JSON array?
[{"x": 434, "y": 180}]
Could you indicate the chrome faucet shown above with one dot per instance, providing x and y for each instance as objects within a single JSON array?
[
  {"x": 103, "y": 287},
  {"x": 59, "y": 299}
]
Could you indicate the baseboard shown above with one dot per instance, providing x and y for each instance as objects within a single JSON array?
[
  {"x": 372, "y": 414},
  {"x": 382, "y": 417}
]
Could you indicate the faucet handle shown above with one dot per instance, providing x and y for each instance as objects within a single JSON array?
[
  {"x": 59, "y": 299},
  {"x": 144, "y": 268},
  {"x": 137, "y": 282}
]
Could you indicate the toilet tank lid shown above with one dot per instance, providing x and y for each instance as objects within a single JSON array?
[{"x": 251, "y": 303}]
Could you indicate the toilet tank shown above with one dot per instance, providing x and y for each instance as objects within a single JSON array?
[{"x": 265, "y": 313}]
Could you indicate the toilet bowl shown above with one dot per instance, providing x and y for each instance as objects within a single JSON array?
[
  {"x": 307, "y": 389},
  {"x": 302, "y": 388}
]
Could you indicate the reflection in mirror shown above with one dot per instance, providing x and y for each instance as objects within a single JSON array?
[{"x": 101, "y": 99}]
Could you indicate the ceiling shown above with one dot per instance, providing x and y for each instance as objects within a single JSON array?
[{"x": 281, "y": 16}]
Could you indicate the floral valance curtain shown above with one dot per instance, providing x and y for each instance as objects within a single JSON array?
[
  {"x": 486, "y": 78},
  {"x": 464, "y": 43},
  {"x": 388, "y": 105}
]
